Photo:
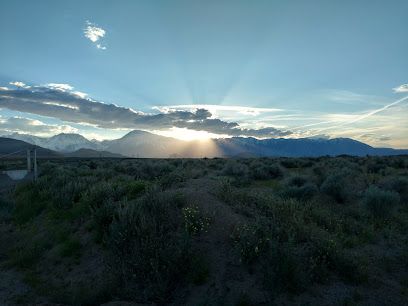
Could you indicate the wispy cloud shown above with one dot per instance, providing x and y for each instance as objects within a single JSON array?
[
  {"x": 373, "y": 136},
  {"x": 401, "y": 88},
  {"x": 340, "y": 120},
  {"x": 94, "y": 34},
  {"x": 60, "y": 101},
  {"x": 345, "y": 96},
  {"x": 373, "y": 112},
  {"x": 244, "y": 110},
  {"x": 351, "y": 118},
  {"x": 386, "y": 128}
]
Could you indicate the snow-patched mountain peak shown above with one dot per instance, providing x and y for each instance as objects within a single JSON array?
[
  {"x": 69, "y": 142},
  {"x": 62, "y": 142}
]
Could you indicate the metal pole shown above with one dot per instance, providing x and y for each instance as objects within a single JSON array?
[
  {"x": 28, "y": 161},
  {"x": 35, "y": 164}
]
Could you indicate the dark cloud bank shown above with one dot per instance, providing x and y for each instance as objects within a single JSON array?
[{"x": 69, "y": 106}]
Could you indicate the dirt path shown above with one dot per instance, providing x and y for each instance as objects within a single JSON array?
[{"x": 228, "y": 279}]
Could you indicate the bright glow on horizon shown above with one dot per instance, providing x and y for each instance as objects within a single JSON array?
[{"x": 187, "y": 134}]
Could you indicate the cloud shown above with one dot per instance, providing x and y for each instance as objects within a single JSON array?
[
  {"x": 19, "y": 84},
  {"x": 346, "y": 96},
  {"x": 244, "y": 110},
  {"x": 94, "y": 34},
  {"x": 337, "y": 121},
  {"x": 374, "y": 137},
  {"x": 99, "y": 46},
  {"x": 66, "y": 88},
  {"x": 63, "y": 103},
  {"x": 384, "y": 138},
  {"x": 31, "y": 126},
  {"x": 62, "y": 87},
  {"x": 401, "y": 88},
  {"x": 373, "y": 112},
  {"x": 218, "y": 126}
]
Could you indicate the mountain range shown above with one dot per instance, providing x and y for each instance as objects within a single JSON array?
[
  {"x": 144, "y": 144},
  {"x": 61, "y": 142}
]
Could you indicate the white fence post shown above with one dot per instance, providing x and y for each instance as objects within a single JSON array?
[
  {"x": 35, "y": 164},
  {"x": 28, "y": 160}
]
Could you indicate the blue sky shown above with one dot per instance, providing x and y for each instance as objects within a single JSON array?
[{"x": 299, "y": 68}]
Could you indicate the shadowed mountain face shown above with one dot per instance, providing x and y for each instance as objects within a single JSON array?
[
  {"x": 145, "y": 144},
  {"x": 303, "y": 147},
  {"x": 19, "y": 148}
]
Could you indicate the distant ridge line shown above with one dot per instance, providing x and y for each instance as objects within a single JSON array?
[{"x": 147, "y": 145}]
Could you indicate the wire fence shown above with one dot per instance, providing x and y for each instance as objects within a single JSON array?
[
  {"x": 9, "y": 154},
  {"x": 20, "y": 168}
]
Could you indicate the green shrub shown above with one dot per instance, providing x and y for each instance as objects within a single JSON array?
[
  {"x": 284, "y": 269},
  {"x": 319, "y": 172},
  {"x": 200, "y": 270},
  {"x": 101, "y": 192},
  {"x": 194, "y": 221},
  {"x": 375, "y": 165},
  {"x": 297, "y": 181},
  {"x": 334, "y": 185},
  {"x": 6, "y": 209},
  {"x": 68, "y": 193},
  {"x": 380, "y": 203},
  {"x": 290, "y": 163},
  {"x": 399, "y": 163},
  {"x": 92, "y": 165},
  {"x": 261, "y": 171},
  {"x": 322, "y": 253},
  {"x": 135, "y": 188},
  {"x": 296, "y": 162},
  {"x": 25, "y": 256},
  {"x": 174, "y": 178},
  {"x": 70, "y": 248},
  {"x": 235, "y": 168},
  {"x": 243, "y": 300},
  {"x": 250, "y": 241},
  {"x": 81, "y": 292},
  {"x": 28, "y": 203},
  {"x": 147, "y": 247},
  {"x": 351, "y": 268},
  {"x": 102, "y": 217},
  {"x": 397, "y": 184},
  {"x": 224, "y": 190},
  {"x": 302, "y": 193},
  {"x": 153, "y": 169},
  {"x": 299, "y": 188}
]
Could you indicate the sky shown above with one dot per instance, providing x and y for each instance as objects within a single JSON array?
[{"x": 195, "y": 69}]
